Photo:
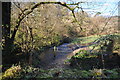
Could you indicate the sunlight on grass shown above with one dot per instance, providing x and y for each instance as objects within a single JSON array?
[
  {"x": 88, "y": 39},
  {"x": 84, "y": 40}
]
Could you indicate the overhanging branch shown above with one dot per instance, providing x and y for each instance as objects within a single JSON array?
[{"x": 26, "y": 12}]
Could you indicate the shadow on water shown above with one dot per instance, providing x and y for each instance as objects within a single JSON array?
[{"x": 55, "y": 56}]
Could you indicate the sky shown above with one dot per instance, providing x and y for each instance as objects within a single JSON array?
[{"x": 105, "y": 7}]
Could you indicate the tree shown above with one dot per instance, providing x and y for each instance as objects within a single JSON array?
[
  {"x": 27, "y": 11},
  {"x": 9, "y": 40},
  {"x": 6, "y": 13}
]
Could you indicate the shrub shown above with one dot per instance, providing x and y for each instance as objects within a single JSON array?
[{"x": 12, "y": 72}]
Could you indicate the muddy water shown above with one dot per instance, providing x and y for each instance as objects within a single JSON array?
[{"x": 56, "y": 56}]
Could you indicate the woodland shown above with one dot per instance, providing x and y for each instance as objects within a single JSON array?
[{"x": 58, "y": 40}]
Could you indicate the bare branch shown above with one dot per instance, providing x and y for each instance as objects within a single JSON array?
[
  {"x": 76, "y": 3},
  {"x": 26, "y": 12}
]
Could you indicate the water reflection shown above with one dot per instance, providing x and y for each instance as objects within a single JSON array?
[{"x": 55, "y": 55}]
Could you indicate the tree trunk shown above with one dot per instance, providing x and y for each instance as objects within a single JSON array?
[
  {"x": 6, "y": 13},
  {"x": 6, "y": 41}
]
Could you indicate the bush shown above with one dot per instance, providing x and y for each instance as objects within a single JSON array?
[{"x": 12, "y": 72}]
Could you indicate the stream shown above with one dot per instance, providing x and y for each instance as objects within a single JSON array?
[{"x": 56, "y": 57}]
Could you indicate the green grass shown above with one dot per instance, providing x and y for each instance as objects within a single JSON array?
[
  {"x": 84, "y": 40},
  {"x": 89, "y": 39},
  {"x": 85, "y": 54}
]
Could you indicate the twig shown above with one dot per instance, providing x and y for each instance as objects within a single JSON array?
[{"x": 26, "y": 12}]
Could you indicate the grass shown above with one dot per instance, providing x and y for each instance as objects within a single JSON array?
[
  {"x": 85, "y": 54},
  {"x": 89, "y": 39},
  {"x": 84, "y": 40},
  {"x": 67, "y": 73}
]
